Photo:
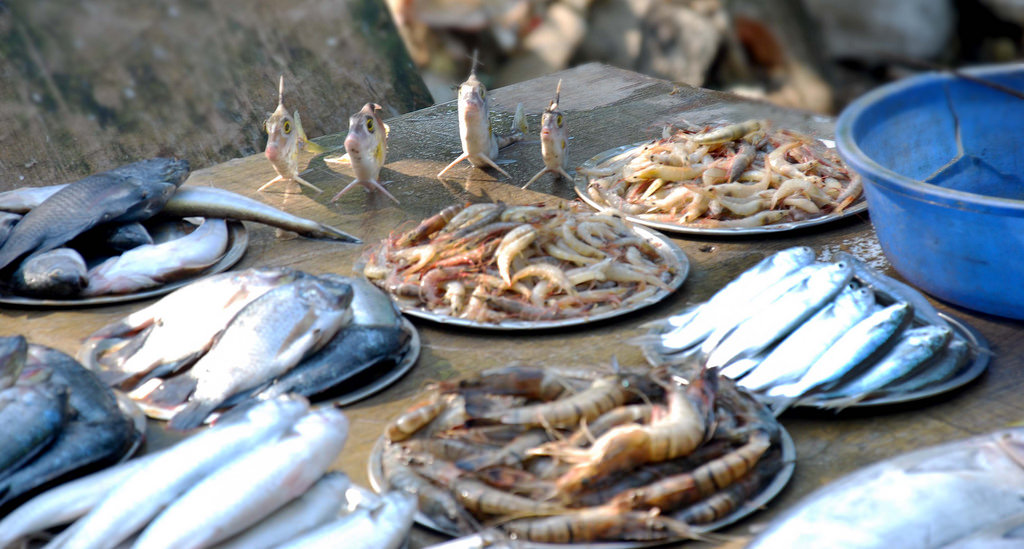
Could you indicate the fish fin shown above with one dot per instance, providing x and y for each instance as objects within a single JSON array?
[
  {"x": 778, "y": 404},
  {"x": 461, "y": 157},
  {"x": 171, "y": 392},
  {"x": 495, "y": 165},
  {"x": 313, "y": 147},
  {"x": 344, "y": 159},
  {"x": 271, "y": 182},
  {"x": 307, "y": 183},
  {"x": 387, "y": 130},
  {"x": 561, "y": 171},
  {"x": 536, "y": 177},
  {"x": 192, "y": 415}
]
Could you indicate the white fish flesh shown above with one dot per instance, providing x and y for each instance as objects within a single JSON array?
[{"x": 383, "y": 527}]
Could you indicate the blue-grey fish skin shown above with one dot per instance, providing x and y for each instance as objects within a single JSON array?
[
  {"x": 13, "y": 354},
  {"x": 7, "y": 223},
  {"x": 30, "y": 417},
  {"x": 58, "y": 273},
  {"x": 111, "y": 239}
]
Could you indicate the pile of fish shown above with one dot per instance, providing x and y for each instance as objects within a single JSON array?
[
  {"x": 552, "y": 455},
  {"x": 251, "y": 334},
  {"x": 57, "y": 421},
  {"x": 257, "y": 478},
  {"x": 959, "y": 495},
  {"x": 123, "y": 231},
  {"x": 831, "y": 335}
]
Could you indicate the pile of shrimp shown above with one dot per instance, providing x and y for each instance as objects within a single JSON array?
[
  {"x": 739, "y": 175},
  {"x": 564, "y": 456},
  {"x": 491, "y": 263}
]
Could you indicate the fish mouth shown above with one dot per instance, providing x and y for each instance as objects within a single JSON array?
[
  {"x": 545, "y": 133},
  {"x": 273, "y": 152}
]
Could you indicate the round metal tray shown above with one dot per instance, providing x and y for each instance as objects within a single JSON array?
[
  {"x": 582, "y": 181},
  {"x": 671, "y": 253},
  {"x": 238, "y": 242},
  {"x": 375, "y": 474}
]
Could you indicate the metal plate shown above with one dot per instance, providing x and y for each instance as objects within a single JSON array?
[
  {"x": 375, "y": 474},
  {"x": 671, "y": 253},
  {"x": 581, "y": 181},
  {"x": 238, "y": 242},
  {"x": 408, "y": 359},
  {"x": 977, "y": 362}
]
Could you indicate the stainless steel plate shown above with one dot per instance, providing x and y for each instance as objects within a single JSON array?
[
  {"x": 238, "y": 242},
  {"x": 375, "y": 473},
  {"x": 581, "y": 181},
  {"x": 671, "y": 253}
]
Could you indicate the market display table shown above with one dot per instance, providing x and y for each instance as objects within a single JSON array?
[{"x": 605, "y": 108}]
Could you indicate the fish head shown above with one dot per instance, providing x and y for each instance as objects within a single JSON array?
[
  {"x": 473, "y": 97},
  {"x": 282, "y": 137},
  {"x": 174, "y": 170},
  {"x": 367, "y": 136},
  {"x": 146, "y": 199}
]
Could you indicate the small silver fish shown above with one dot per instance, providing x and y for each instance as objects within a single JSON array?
[
  {"x": 384, "y": 526},
  {"x": 285, "y": 139},
  {"x": 553, "y": 140},
  {"x": 366, "y": 146}
]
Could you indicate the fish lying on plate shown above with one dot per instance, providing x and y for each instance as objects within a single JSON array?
[{"x": 285, "y": 138}]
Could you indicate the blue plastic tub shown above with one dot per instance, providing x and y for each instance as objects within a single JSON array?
[{"x": 948, "y": 210}]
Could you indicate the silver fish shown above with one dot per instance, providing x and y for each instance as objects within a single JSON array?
[
  {"x": 791, "y": 358},
  {"x": 193, "y": 201},
  {"x": 319, "y": 505},
  {"x": 268, "y": 337},
  {"x": 251, "y": 487},
  {"x": 144, "y": 493},
  {"x": 169, "y": 335},
  {"x": 1005, "y": 534},
  {"x": 383, "y": 527},
  {"x": 553, "y": 141},
  {"x": 154, "y": 264},
  {"x": 945, "y": 367},
  {"x": 783, "y": 315},
  {"x": 894, "y": 289},
  {"x": 58, "y": 273},
  {"x": 366, "y": 146}
]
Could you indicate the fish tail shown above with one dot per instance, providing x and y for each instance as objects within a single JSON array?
[
  {"x": 171, "y": 392},
  {"x": 192, "y": 415}
]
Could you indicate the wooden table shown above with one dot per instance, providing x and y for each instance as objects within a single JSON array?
[{"x": 605, "y": 108}]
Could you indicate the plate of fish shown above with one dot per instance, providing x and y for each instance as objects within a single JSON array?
[
  {"x": 504, "y": 267},
  {"x": 59, "y": 421},
  {"x": 262, "y": 332},
  {"x": 799, "y": 332},
  {"x": 738, "y": 179},
  {"x": 612, "y": 459}
]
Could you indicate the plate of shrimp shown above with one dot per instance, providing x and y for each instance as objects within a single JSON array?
[
  {"x": 524, "y": 267},
  {"x": 552, "y": 456},
  {"x": 736, "y": 179}
]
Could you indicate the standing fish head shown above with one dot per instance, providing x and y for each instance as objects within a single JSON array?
[
  {"x": 285, "y": 137},
  {"x": 366, "y": 142},
  {"x": 474, "y": 117},
  {"x": 553, "y": 134}
]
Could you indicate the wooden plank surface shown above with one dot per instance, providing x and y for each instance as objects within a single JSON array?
[{"x": 605, "y": 108}]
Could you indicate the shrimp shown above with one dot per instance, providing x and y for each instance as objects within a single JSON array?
[
  {"x": 531, "y": 382},
  {"x": 513, "y": 453},
  {"x": 444, "y": 448},
  {"x": 513, "y": 243},
  {"x": 603, "y": 394},
  {"x": 549, "y": 272},
  {"x": 726, "y": 501},
  {"x": 613, "y": 418},
  {"x": 433, "y": 501},
  {"x": 597, "y": 524},
  {"x": 482, "y": 499},
  {"x": 415, "y": 418},
  {"x": 430, "y": 225}
]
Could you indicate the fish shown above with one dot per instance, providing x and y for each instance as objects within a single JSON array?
[
  {"x": 943, "y": 368},
  {"x": 894, "y": 289},
  {"x": 479, "y": 144},
  {"x": 267, "y": 337},
  {"x": 316, "y": 507},
  {"x": 251, "y": 487},
  {"x": 842, "y": 358},
  {"x": 791, "y": 357},
  {"x": 928, "y": 498},
  {"x": 915, "y": 347},
  {"x": 59, "y": 273},
  {"x": 13, "y": 354},
  {"x": 1005, "y": 534},
  {"x": 553, "y": 140},
  {"x": 7, "y": 223},
  {"x": 66, "y": 502},
  {"x": 31, "y": 416},
  {"x": 111, "y": 239},
  {"x": 285, "y": 138},
  {"x": 144, "y": 493},
  {"x": 778, "y": 319},
  {"x": 168, "y": 335},
  {"x": 194, "y": 201},
  {"x": 366, "y": 146},
  {"x": 109, "y": 197},
  {"x": 382, "y": 527},
  {"x": 155, "y": 264}
]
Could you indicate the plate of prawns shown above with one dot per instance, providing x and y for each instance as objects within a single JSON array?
[
  {"x": 734, "y": 179},
  {"x": 551, "y": 456}
]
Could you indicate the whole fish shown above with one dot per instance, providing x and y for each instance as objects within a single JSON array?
[
  {"x": 841, "y": 358},
  {"x": 101, "y": 198},
  {"x": 782, "y": 316},
  {"x": 944, "y": 367},
  {"x": 7, "y": 223},
  {"x": 145, "y": 492},
  {"x": 383, "y": 527},
  {"x": 31, "y": 416},
  {"x": 192, "y": 201},
  {"x": 168, "y": 335},
  {"x": 66, "y": 502},
  {"x": 553, "y": 140},
  {"x": 915, "y": 347},
  {"x": 251, "y": 487},
  {"x": 285, "y": 139},
  {"x": 479, "y": 144},
  {"x": 58, "y": 273},
  {"x": 319, "y": 505},
  {"x": 366, "y": 146},
  {"x": 699, "y": 323},
  {"x": 13, "y": 354},
  {"x": 268, "y": 337},
  {"x": 924, "y": 499},
  {"x": 795, "y": 354},
  {"x": 154, "y": 264}
]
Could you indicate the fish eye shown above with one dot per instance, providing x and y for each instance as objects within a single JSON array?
[
  {"x": 287, "y": 126},
  {"x": 558, "y": 121},
  {"x": 483, "y": 92},
  {"x": 369, "y": 124}
]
